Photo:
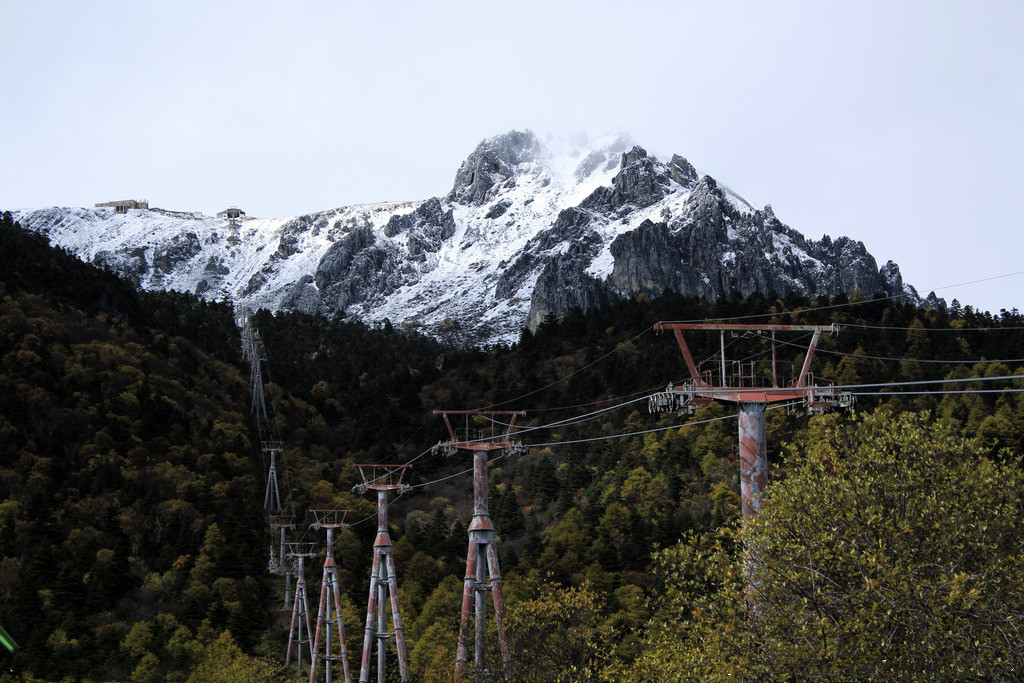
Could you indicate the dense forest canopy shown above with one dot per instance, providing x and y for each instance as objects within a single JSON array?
[{"x": 133, "y": 544}]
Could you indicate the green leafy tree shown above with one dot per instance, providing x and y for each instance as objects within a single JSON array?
[
  {"x": 557, "y": 636},
  {"x": 892, "y": 551}
]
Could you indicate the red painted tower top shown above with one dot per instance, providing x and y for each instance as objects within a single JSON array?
[{"x": 740, "y": 381}]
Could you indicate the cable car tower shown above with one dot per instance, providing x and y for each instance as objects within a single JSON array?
[
  {"x": 283, "y": 567},
  {"x": 254, "y": 353},
  {"x": 738, "y": 382},
  {"x": 300, "y": 631},
  {"x": 482, "y": 555},
  {"x": 383, "y": 581},
  {"x": 329, "y": 612}
]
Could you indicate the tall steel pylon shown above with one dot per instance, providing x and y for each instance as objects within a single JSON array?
[
  {"x": 329, "y": 620},
  {"x": 281, "y": 565},
  {"x": 383, "y": 581},
  {"x": 272, "y": 498},
  {"x": 737, "y": 382},
  {"x": 299, "y": 632},
  {"x": 483, "y": 574},
  {"x": 254, "y": 353}
]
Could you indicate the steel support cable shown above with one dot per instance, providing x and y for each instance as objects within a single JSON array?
[
  {"x": 702, "y": 422},
  {"x": 585, "y": 367},
  {"x": 629, "y": 397},
  {"x": 808, "y": 309},
  {"x": 598, "y": 438},
  {"x": 932, "y": 329},
  {"x": 974, "y": 282},
  {"x": 752, "y": 390},
  {"x": 561, "y": 443},
  {"x": 755, "y": 390},
  {"x": 375, "y": 479},
  {"x": 908, "y": 360},
  {"x": 571, "y": 374},
  {"x": 732, "y": 417},
  {"x": 772, "y": 407},
  {"x": 958, "y": 380},
  {"x": 571, "y": 420},
  {"x": 629, "y": 434},
  {"x": 745, "y": 317},
  {"x": 276, "y": 425},
  {"x": 566, "y": 422},
  {"x": 943, "y": 392},
  {"x": 849, "y": 303},
  {"x": 688, "y": 424},
  {"x": 610, "y": 353},
  {"x": 414, "y": 458},
  {"x": 624, "y": 397},
  {"x": 585, "y": 417},
  {"x": 644, "y": 393},
  {"x": 776, "y": 406},
  {"x": 681, "y": 426},
  {"x": 955, "y": 380}
]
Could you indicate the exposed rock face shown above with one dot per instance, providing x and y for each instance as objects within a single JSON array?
[
  {"x": 491, "y": 167},
  {"x": 338, "y": 259},
  {"x": 893, "y": 279},
  {"x": 648, "y": 260},
  {"x": 572, "y": 231},
  {"x": 426, "y": 228},
  {"x": 641, "y": 182},
  {"x": 356, "y": 269},
  {"x": 855, "y": 268},
  {"x": 563, "y": 286},
  {"x": 367, "y": 264},
  {"x": 178, "y": 250},
  {"x": 682, "y": 171},
  {"x": 131, "y": 266},
  {"x": 714, "y": 250},
  {"x": 591, "y": 163}
]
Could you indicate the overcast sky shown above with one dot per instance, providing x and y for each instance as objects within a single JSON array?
[{"x": 896, "y": 123}]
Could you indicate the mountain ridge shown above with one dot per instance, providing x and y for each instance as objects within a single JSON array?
[{"x": 531, "y": 227}]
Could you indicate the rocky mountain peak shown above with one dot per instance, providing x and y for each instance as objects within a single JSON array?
[
  {"x": 530, "y": 228},
  {"x": 682, "y": 171},
  {"x": 642, "y": 181},
  {"x": 482, "y": 175}
]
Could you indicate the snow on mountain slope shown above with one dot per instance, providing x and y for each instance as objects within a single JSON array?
[
  {"x": 531, "y": 227},
  {"x": 160, "y": 249}
]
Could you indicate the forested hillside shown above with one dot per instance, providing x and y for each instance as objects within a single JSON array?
[{"x": 133, "y": 543}]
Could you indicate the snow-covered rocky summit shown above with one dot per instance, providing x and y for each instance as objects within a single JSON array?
[{"x": 531, "y": 227}]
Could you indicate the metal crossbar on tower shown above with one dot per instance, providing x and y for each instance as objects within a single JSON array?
[
  {"x": 483, "y": 574},
  {"x": 739, "y": 383},
  {"x": 383, "y": 581},
  {"x": 329, "y": 620},
  {"x": 299, "y": 632}
]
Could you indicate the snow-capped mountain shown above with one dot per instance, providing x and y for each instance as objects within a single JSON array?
[{"x": 530, "y": 227}]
